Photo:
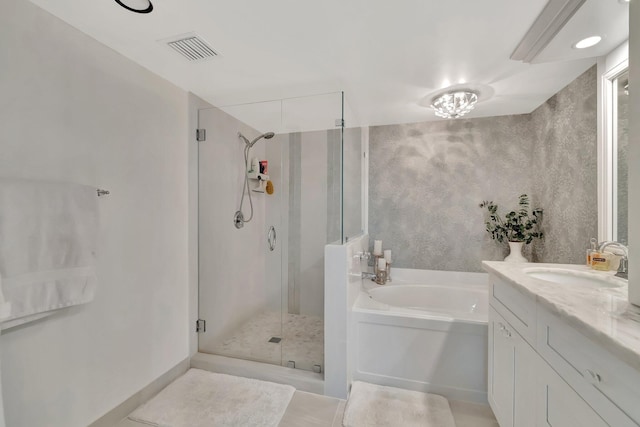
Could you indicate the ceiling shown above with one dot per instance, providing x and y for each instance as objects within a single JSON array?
[{"x": 387, "y": 57}]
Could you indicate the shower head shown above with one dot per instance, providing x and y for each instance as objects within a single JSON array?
[{"x": 267, "y": 135}]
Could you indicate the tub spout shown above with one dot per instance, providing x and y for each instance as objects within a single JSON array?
[{"x": 367, "y": 275}]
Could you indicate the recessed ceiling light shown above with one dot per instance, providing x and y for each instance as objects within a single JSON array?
[
  {"x": 588, "y": 42},
  {"x": 138, "y": 6}
]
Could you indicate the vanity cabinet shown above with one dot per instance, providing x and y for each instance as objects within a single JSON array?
[
  {"x": 543, "y": 372},
  {"x": 610, "y": 386}
]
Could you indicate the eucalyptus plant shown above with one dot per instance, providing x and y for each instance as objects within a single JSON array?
[{"x": 517, "y": 226}]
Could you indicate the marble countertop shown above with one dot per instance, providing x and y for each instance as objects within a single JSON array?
[{"x": 602, "y": 314}]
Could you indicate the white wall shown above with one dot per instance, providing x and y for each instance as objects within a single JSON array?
[
  {"x": 342, "y": 284},
  {"x": 634, "y": 152},
  {"x": 74, "y": 110}
]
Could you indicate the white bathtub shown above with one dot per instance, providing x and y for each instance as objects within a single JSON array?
[
  {"x": 426, "y": 331},
  {"x": 455, "y": 302}
]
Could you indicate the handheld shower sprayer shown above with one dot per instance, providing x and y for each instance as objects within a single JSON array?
[
  {"x": 238, "y": 218},
  {"x": 267, "y": 135}
]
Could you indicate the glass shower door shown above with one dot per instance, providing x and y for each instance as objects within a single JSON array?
[
  {"x": 262, "y": 286},
  {"x": 240, "y": 291}
]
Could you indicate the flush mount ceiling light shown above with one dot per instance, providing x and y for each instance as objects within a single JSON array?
[
  {"x": 588, "y": 42},
  {"x": 452, "y": 105},
  {"x": 138, "y": 6}
]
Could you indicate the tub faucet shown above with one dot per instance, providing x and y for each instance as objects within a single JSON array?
[
  {"x": 367, "y": 275},
  {"x": 623, "y": 269}
]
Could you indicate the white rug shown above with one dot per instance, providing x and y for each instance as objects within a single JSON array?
[
  {"x": 204, "y": 399},
  {"x": 373, "y": 405}
]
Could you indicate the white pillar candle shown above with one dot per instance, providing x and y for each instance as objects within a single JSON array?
[
  {"x": 387, "y": 256},
  {"x": 382, "y": 264},
  {"x": 377, "y": 247}
]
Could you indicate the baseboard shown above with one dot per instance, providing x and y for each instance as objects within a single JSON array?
[{"x": 114, "y": 416}]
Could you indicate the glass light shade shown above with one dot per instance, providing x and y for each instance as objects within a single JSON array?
[{"x": 452, "y": 105}]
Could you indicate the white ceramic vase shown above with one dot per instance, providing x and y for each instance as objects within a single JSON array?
[{"x": 516, "y": 253}]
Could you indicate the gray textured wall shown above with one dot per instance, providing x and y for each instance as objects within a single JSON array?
[
  {"x": 623, "y": 164},
  {"x": 426, "y": 181},
  {"x": 352, "y": 183},
  {"x": 565, "y": 174}
]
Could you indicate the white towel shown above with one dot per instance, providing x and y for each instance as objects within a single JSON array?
[{"x": 47, "y": 246}]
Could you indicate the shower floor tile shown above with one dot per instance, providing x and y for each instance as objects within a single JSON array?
[{"x": 302, "y": 340}]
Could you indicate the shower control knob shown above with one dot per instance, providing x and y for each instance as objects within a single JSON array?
[{"x": 362, "y": 256}]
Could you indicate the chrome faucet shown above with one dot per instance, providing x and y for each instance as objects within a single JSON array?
[
  {"x": 623, "y": 269},
  {"x": 367, "y": 275}
]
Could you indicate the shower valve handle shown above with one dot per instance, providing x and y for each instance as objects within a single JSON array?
[
  {"x": 271, "y": 238},
  {"x": 362, "y": 256}
]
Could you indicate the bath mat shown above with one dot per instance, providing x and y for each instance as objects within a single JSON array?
[
  {"x": 202, "y": 398},
  {"x": 373, "y": 405}
]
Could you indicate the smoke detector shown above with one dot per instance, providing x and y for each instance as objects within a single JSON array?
[{"x": 192, "y": 47}]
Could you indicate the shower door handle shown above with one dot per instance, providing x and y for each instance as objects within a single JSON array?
[{"x": 271, "y": 238}]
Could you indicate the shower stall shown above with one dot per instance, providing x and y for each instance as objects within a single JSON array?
[{"x": 261, "y": 252}]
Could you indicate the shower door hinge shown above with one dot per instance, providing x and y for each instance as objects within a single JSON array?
[
  {"x": 201, "y": 326},
  {"x": 201, "y": 135},
  {"x": 339, "y": 123}
]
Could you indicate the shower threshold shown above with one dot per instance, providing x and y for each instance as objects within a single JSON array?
[{"x": 300, "y": 379}]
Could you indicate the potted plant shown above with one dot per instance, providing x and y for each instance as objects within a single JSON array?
[{"x": 517, "y": 228}]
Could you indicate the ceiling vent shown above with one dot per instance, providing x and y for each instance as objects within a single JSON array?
[{"x": 193, "y": 47}]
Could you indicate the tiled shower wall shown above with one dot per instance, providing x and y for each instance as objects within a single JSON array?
[{"x": 426, "y": 181}]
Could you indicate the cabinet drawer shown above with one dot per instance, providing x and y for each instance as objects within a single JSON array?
[
  {"x": 608, "y": 384},
  {"x": 559, "y": 405},
  {"x": 516, "y": 307}
]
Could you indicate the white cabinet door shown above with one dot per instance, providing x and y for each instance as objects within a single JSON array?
[
  {"x": 559, "y": 405},
  {"x": 512, "y": 375},
  {"x": 501, "y": 369},
  {"x": 524, "y": 413}
]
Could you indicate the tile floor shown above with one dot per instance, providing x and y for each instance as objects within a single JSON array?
[
  {"x": 314, "y": 410},
  {"x": 302, "y": 340}
]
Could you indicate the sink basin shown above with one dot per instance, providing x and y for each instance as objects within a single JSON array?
[{"x": 574, "y": 278}]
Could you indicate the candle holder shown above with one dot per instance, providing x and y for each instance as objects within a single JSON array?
[
  {"x": 388, "y": 271},
  {"x": 376, "y": 257},
  {"x": 381, "y": 277}
]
